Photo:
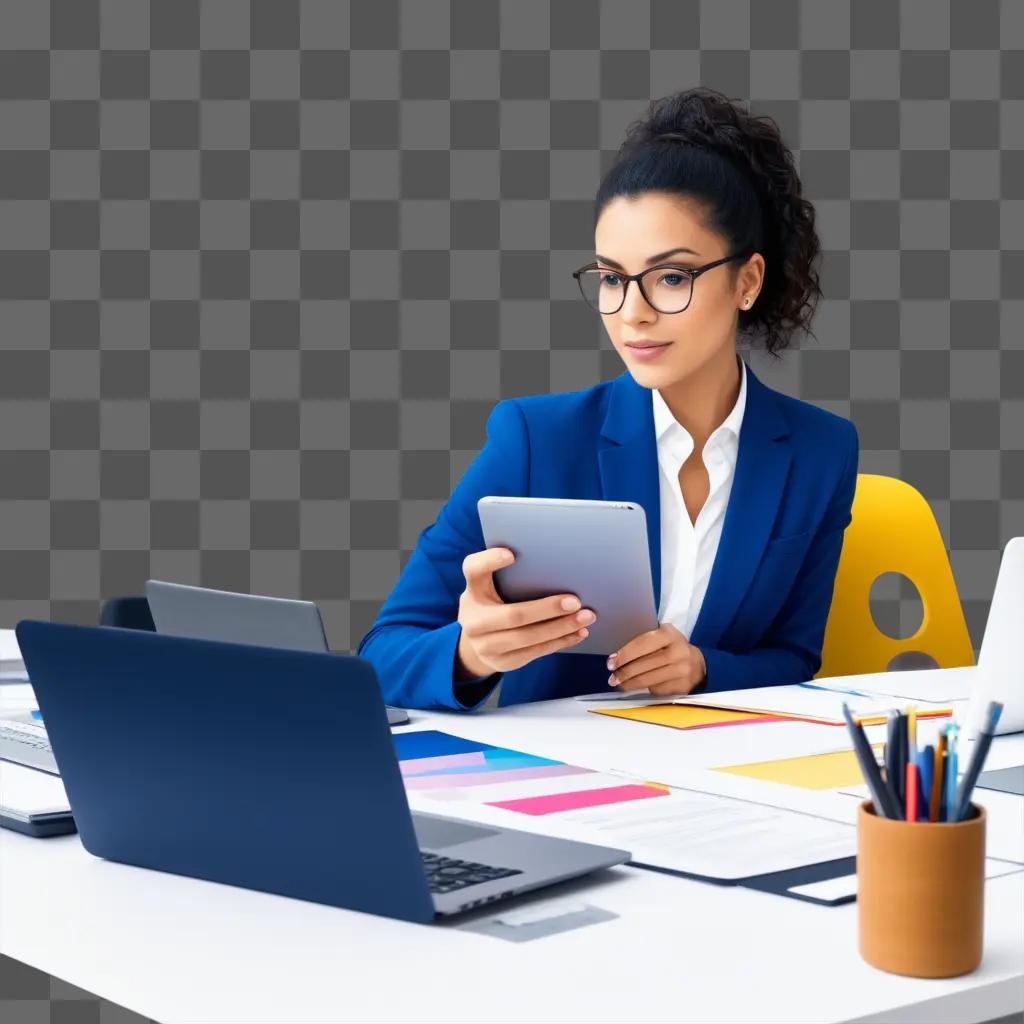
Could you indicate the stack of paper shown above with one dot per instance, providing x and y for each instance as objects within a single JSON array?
[
  {"x": 930, "y": 685},
  {"x": 27, "y": 795},
  {"x": 698, "y": 833},
  {"x": 450, "y": 768},
  {"x": 12, "y": 667},
  {"x": 806, "y": 704},
  {"x": 677, "y": 716}
]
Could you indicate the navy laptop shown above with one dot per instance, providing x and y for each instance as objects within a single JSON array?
[{"x": 265, "y": 768}]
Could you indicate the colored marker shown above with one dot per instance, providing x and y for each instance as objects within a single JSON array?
[
  {"x": 911, "y": 790},
  {"x": 891, "y": 756},
  {"x": 940, "y": 763},
  {"x": 949, "y": 797},
  {"x": 925, "y": 770},
  {"x": 981, "y": 744},
  {"x": 881, "y": 795}
]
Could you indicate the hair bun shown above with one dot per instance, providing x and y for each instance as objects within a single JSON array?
[{"x": 704, "y": 119}]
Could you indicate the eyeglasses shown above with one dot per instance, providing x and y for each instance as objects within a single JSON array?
[{"x": 665, "y": 288}]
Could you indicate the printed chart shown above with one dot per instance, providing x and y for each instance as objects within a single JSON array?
[{"x": 446, "y": 767}]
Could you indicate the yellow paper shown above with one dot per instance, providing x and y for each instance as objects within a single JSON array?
[
  {"x": 816, "y": 771},
  {"x": 796, "y": 716},
  {"x": 682, "y": 716}
]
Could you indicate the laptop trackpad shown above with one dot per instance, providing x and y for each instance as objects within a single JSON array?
[{"x": 437, "y": 833}]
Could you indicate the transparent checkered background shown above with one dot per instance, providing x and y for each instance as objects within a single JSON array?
[{"x": 266, "y": 267}]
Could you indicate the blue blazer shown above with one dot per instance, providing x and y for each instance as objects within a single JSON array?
[{"x": 763, "y": 617}]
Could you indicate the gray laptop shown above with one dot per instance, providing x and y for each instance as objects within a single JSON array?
[{"x": 205, "y": 614}]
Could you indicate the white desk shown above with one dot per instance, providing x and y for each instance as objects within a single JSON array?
[{"x": 177, "y": 949}]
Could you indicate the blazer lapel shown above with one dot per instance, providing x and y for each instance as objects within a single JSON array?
[
  {"x": 628, "y": 460},
  {"x": 628, "y": 464},
  {"x": 762, "y": 468}
]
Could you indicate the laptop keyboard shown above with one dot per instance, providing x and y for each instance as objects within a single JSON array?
[{"x": 446, "y": 874}]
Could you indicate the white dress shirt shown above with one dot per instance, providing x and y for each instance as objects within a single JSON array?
[{"x": 688, "y": 549}]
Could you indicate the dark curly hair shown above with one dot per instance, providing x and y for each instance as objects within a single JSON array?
[{"x": 699, "y": 144}]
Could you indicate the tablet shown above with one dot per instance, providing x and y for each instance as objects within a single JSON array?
[{"x": 597, "y": 550}]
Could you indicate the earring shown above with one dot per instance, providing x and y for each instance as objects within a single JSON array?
[{"x": 746, "y": 302}]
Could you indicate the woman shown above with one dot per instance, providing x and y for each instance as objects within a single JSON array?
[{"x": 700, "y": 232}]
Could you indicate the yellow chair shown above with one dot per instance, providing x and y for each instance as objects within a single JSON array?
[{"x": 892, "y": 530}]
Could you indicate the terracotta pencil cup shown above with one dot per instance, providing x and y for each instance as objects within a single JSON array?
[{"x": 921, "y": 893}]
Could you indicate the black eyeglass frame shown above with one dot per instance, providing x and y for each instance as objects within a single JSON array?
[{"x": 693, "y": 273}]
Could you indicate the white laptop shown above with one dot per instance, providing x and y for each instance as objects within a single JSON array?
[{"x": 999, "y": 674}]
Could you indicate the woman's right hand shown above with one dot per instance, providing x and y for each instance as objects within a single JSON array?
[{"x": 499, "y": 637}]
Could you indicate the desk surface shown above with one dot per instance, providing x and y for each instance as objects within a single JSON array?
[{"x": 178, "y": 949}]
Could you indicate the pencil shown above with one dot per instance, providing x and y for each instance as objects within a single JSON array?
[
  {"x": 937, "y": 787},
  {"x": 949, "y": 797}
]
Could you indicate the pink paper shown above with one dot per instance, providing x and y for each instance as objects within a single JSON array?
[
  {"x": 419, "y": 765},
  {"x": 543, "y": 771},
  {"x": 556, "y": 802}
]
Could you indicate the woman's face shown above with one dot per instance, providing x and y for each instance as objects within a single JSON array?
[{"x": 632, "y": 234}]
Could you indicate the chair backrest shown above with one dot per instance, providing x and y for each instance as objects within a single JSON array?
[
  {"x": 892, "y": 529},
  {"x": 128, "y": 613}
]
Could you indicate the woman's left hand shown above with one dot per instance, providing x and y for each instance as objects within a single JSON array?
[{"x": 661, "y": 660}]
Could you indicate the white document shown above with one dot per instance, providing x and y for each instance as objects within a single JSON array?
[
  {"x": 795, "y": 700},
  {"x": 25, "y": 792},
  {"x": 716, "y": 836},
  {"x": 828, "y": 888},
  {"x": 930, "y": 686}
]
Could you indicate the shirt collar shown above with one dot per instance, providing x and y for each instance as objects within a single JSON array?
[{"x": 664, "y": 420}]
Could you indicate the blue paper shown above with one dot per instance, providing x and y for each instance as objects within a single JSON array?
[
  {"x": 495, "y": 760},
  {"x": 432, "y": 743}
]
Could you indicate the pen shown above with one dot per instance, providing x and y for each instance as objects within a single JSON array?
[
  {"x": 902, "y": 746},
  {"x": 943, "y": 784},
  {"x": 911, "y": 790},
  {"x": 891, "y": 755},
  {"x": 939, "y": 764},
  {"x": 880, "y": 793},
  {"x": 925, "y": 770},
  {"x": 911, "y": 756},
  {"x": 949, "y": 796},
  {"x": 981, "y": 744}
]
